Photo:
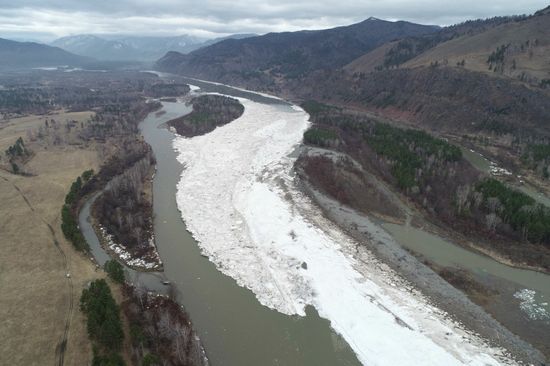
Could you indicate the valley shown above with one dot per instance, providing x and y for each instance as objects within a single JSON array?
[{"x": 373, "y": 193}]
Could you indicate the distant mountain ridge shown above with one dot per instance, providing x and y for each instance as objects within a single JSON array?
[
  {"x": 289, "y": 54},
  {"x": 401, "y": 70},
  {"x": 138, "y": 48},
  {"x": 30, "y": 54}
]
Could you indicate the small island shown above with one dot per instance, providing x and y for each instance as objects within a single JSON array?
[{"x": 209, "y": 112}]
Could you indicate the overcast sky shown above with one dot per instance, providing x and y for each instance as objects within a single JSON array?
[{"x": 46, "y": 20}]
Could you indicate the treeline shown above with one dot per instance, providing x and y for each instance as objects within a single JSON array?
[
  {"x": 129, "y": 153},
  {"x": 161, "y": 332},
  {"x": 412, "y": 156},
  {"x": 39, "y": 93},
  {"x": 124, "y": 210},
  {"x": 69, "y": 213},
  {"x": 103, "y": 323},
  {"x": 433, "y": 174},
  {"x": 209, "y": 112}
]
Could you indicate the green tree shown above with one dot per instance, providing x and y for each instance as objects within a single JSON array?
[
  {"x": 103, "y": 319},
  {"x": 115, "y": 270}
]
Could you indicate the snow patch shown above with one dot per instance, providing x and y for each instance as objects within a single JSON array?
[{"x": 150, "y": 261}]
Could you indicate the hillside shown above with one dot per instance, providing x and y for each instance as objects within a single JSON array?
[
  {"x": 518, "y": 49},
  {"x": 124, "y": 48},
  {"x": 442, "y": 99},
  {"x": 29, "y": 54},
  {"x": 290, "y": 55}
]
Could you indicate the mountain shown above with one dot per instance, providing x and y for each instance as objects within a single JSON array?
[
  {"x": 124, "y": 48},
  {"x": 93, "y": 46},
  {"x": 518, "y": 47},
  {"x": 484, "y": 77},
  {"x": 289, "y": 54},
  {"x": 29, "y": 54}
]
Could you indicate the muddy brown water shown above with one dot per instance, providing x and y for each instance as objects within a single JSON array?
[{"x": 234, "y": 327}]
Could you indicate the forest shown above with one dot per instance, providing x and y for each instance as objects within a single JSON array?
[
  {"x": 433, "y": 174},
  {"x": 103, "y": 323},
  {"x": 521, "y": 212}
]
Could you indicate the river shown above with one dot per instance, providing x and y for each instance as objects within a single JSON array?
[{"x": 234, "y": 327}]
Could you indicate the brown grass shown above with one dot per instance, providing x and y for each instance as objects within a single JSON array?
[
  {"x": 476, "y": 49},
  {"x": 36, "y": 293}
]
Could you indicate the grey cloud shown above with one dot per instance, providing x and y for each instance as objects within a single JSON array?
[{"x": 53, "y": 18}]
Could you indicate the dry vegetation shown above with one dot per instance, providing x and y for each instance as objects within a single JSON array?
[
  {"x": 526, "y": 55},
  {"x": 160, "y": 330},
  {"x": 36, "y": 294}
]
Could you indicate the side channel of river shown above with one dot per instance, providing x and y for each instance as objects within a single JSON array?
[
  {"x": 234, "y": 327},
  {"x": 523, "y": 300}
]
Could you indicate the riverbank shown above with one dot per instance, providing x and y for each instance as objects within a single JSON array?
[
  {"x": 374, "y": 238},
  {"x": 164, "y": 330}
]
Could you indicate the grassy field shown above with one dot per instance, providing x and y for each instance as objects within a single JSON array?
[{"x": 39, "y": 303}]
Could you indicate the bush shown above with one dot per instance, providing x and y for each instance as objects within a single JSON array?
[
  {"x": 115, "y": 270},
  {"x": 87, "y": 175}
]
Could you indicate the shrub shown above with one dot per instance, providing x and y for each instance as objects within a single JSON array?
[{"x": 115, "y": 270}]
